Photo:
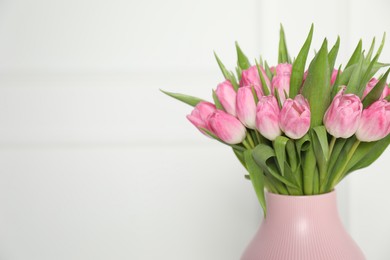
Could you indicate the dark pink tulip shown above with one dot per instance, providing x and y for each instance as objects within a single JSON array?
[{"x": 375, "y": 122}]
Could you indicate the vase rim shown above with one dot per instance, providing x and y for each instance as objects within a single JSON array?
[{"x": 327, "y": 194}]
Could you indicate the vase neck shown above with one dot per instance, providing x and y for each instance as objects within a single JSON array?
[{"x": 321, "y": 207}]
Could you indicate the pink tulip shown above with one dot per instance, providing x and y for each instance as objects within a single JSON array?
[
  {"x": 334, "y": 76},
  {"x": 375, "y": 122},
  {"x": 267, "y": 117},
  {"x": 200, "y": 114},
  {"x": 246, "y": 107},
  {"x": 371, "y": 84},
  {"x": 281, "y": 81},
  {"x": 343, "y": 115},
  {"x": 295, "y": 117},
  {"x": 226, "y": 127},
  {"x": 250, "y": 77},
  {"x": 227, "y": 96}
]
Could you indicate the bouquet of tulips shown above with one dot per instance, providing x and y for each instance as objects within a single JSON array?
[{"x": 299, "y": 132}]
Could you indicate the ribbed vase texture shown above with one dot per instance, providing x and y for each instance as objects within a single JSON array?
[{"x": 302, "y": 228}]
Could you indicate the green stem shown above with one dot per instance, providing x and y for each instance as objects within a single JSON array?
[
  {"x": 258, "y": 136},
  {"x": 254, "y": 137},
  {"x": 340, "y": 173},
  {"x": 247, "y": 146},
  {"x": 332, "y": 142},
  {"x": 252, "y": 144}
]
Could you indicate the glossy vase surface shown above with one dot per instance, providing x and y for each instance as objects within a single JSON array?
[{"x": 302, "y": 228}]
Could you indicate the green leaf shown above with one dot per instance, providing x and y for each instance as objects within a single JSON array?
[
  {"x": 303, "y": 145},
  {"x": 321, "y": 151},
  {"x": 367, "y": 153},
  {"x": 268, "y": 71},
  {"x": 283, "y": 56},
  {"x": 257, "y": 178},
  {"x": 277, "y": 96},
  {"x": 218, "y": 104},
  {"x": 366, "y": 77},
  {"x": 240, "y": 156},
  {"x": 239, "y": 73},
  {"x": 190, "y": 100},
  {"x": 370, "y": 51},
  {"x": 377, "y": 91},
  {"x": 264, "y": 156},
  {"x": 292, "y": 155},
  {"x": 242, "y": 60},
  {"x": 291, "y": 176},
  {"x": 316, "y": 88},
  {"x": 264, "y": 85},
  {"x": 225, "y": 72},
  {"x": 280, "y": 150},
  {"x": 309, "y": 168},
  {"x": 354, "y": 81},
  {"x": 298, "y": 67},
  {"x": 336, "y": 84},
  {"x": 340, "y": 161},
  {"x": 233, "y": 80},
  {"x": 379, "y": 51},
  {"x": 340, "y": 142},
  {"x": 356, "y": 55},
  {"x": 333, "y": 55}
]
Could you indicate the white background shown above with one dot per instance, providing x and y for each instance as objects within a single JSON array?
[{"x": 96, "y": 163}]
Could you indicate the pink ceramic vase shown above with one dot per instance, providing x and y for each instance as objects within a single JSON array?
[{"x": 302, "y": 228}]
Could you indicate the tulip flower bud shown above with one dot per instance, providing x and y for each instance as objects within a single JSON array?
[
  {"x": 246, "y": 107},
  {"x": 267, "y": 117},
  {"x": 371, "y": 84},
  {"x": 200, "y": 114},
  {"x": 295, "y": 117},
  {"x": 334, "y": 76},
  {"x": 343, "y": 115},
  {"x": 227, "y": 96},
  {"x": 250, "y": 77},
  {"x": 281, "y": 81},
  {"x": 375, "y": 122},
  {"x": 226, "y": 127}
]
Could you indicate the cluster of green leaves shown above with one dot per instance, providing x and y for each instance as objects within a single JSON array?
[{"x": 317, "y": 162}]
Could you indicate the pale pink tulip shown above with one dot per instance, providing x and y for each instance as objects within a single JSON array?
[
  {"x": 281, "y": 81},
  {"x": 294, "y": 117},
  {"x": 267, "y": 117},
  {"x": 371, "y": 84},
  {"x": 375, "y": 122},
  {"x": 250, "y": 77},
  {"x": 227, "y": 96},
  {"x": 246, "y": 107},
  {"x": 226, "y": 127},
  {"x": 200, "y": 114},
  {"x": 343, "y": 115}
]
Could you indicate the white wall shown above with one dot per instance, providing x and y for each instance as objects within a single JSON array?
[{"x": 97, "y": 164}]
